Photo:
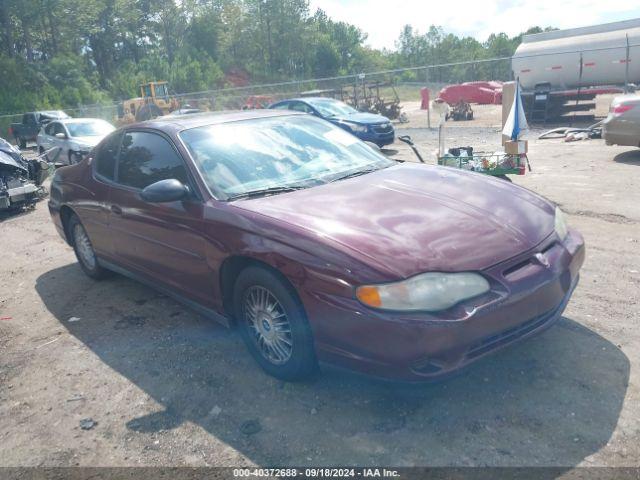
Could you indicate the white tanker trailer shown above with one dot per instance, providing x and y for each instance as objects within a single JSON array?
[{"x": 562, "y": 66}]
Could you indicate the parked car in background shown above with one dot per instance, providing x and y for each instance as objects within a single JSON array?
[
  {"x": 622, "y": 125},
  {"x": 368, "y": 127},
  {"x": 316, "y": 245},
  {"x": 27, "y": 130},
  {"x": 75, "y": 137},
  {"x": 185, "y": 111}
]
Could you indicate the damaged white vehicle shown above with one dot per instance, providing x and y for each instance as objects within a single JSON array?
[{"x": 20, "y": 179}]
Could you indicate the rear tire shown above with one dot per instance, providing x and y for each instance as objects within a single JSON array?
[
  {"x": 273, "y": 325},
  {"x": 83, "y": 249},
  {"x": 22, "y": 143}
]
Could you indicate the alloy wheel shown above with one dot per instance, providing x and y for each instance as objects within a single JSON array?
[
  {"x": 83, "y": 247},
  {"x": 268, "y": 324}
]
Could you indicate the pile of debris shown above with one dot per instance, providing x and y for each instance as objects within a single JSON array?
[
  {"x": 20, "y": 179},
  {"x": 573, "y": 134}
]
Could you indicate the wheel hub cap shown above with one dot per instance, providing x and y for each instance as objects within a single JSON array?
[
  {"x": 84, "y": 248},
  {"x": 268, "y": 324}
]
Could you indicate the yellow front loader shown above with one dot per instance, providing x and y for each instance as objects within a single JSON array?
[{"x": 154, "y": 101}]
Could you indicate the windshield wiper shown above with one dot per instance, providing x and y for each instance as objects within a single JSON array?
[
  {"x": 357, "y": 173},
  {"x": 266, "y": 191}
]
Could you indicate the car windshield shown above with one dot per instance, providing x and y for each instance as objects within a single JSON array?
[
  {"x": 328, "y": 107},
  {"x": 277, "y": 153},
  {"x": 94, "y": 128}
]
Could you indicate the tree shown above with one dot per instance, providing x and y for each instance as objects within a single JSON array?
[{"x": 61, "y": 53}]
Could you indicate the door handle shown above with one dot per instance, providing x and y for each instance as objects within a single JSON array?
[{"x": 116, "y": 209}]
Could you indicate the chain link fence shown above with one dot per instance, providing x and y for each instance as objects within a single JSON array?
[
  {"x": 388, "y": 86},
  {"x": 358, "y": 89}
]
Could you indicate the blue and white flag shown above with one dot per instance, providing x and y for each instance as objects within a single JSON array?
[{"x": 516, "y": 121}]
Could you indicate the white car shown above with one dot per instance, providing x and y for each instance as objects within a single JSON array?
[
  {"x": 74, "y": 137},
  {"x": 622, "y": 125}
]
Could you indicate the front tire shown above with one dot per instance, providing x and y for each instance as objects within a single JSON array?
[
  {"x": 273, "y": 325},
  {"x": 83, "y": 249}
]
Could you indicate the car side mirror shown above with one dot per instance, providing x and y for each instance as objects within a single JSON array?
[
  {"x": 164, "y": 191},
  {"x": 61, "y": 136}
]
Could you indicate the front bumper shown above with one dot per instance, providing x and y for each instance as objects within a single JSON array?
[
  {"x": 24, "y": 194},
  {"x": 380, "y": 139},
  {"x": 526, "y": 298}
]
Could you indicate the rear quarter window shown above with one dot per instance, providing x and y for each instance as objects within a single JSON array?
[
  {"x": 300, "y": 107},
  {"x": 106, "y": 156}
]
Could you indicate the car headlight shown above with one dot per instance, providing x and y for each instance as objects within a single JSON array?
[
  {"x": 355, "y": 128},
  {"x": 430, "y": 292},
  {"x": 561, "y": 224}
]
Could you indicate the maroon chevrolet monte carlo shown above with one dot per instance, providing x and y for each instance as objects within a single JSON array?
[{"x": 317, "y": 247}]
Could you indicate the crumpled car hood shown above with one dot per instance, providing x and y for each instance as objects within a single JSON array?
[{"x": 10, "y": 156}]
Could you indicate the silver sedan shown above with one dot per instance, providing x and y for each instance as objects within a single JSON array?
[
  {"x": 622, "y": 125},
  {"x": 72, "y": 138}
]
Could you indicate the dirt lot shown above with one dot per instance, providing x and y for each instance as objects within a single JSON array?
[
  {"x": 485, "y": 115},
  {"x": 167, "y": 387}
]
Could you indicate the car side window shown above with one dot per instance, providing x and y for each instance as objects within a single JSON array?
[
  {"x": 49, "y": 129},
  {"x": 106, "y": 156},
  {"x": 300, "y": 107},
  {"x": 282, "y": 106},
  {"x": 146, "y": 158},
  {"x": 58, "y": 128}
]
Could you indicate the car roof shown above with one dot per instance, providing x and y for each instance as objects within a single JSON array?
[
  {"x": 46, "y": 112},
  {"x": 194, "y": 120},
  {"x": 306, "y": 99},
  {"x": 627, "y": 98},
  {"x": 78, "y": 120}
]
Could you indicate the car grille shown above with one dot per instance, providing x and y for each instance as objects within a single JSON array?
[
  {"x": 384, "y": 128},
  {"x": 505, "y": 337},
  {"x": 512, "y": 334}
]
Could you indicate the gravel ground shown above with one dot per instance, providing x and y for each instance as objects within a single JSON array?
[{"x": 163, "y": 386}]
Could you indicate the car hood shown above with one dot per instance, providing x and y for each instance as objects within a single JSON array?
[
  {"x": 411, "y": 218},
  {"x": 362, "y": 118},
  {"x": 8, "y": 160}
]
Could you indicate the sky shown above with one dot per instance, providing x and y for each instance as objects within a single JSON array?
[{"x": 383, "y": 20}]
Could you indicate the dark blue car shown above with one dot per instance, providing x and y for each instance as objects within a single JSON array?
[{"x": 366, "y": 126}]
